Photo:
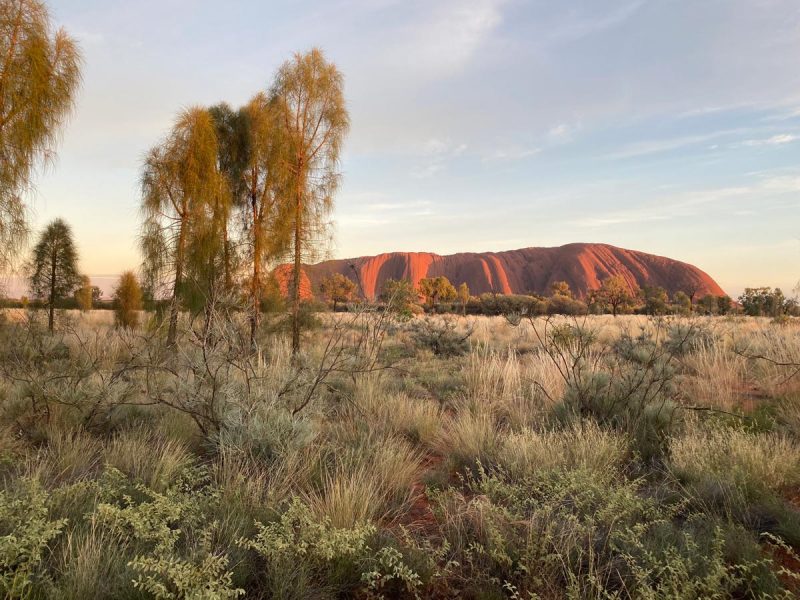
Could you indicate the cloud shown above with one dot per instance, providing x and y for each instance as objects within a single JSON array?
[
  {"x": 579, "y": 25},
  {"x": 511, "y": 153},
  {"x": 692, "y": 203},
  {"x": 775, "y": 140},
  {"x": 426, "y": 171},
  {"x": 646, "y": 147},
  {"x": 392, "y": 206},
  {"x": 442, "y": 38},
  {"x": 386, "y": 211},
  {"x": 438, "y": 152},
  {"x": 563, "y": 132}
]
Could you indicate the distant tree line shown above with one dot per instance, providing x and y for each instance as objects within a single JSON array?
[{"x": 615, "y": 296}]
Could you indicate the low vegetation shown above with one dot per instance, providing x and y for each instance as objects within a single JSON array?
[
  {"x": 436, "y": 457},
  {"x": 198, "y": 450}
]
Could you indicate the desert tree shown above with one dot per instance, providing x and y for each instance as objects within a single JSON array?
[
  {"x": 39, "y": 76},
  {"x": 337, "y": 288},
  {"x": 708, "y": 304},
  {"x": 400, "y": 296},
  {"x": 560, "y": 288},
  {"x": 309, "y": 104},
  {"x": 232, "y": 154},
  {"x": 84, "y": 294},
  {"x": 614, "y": 293},
  {"x": 54, "y": 266},
  {"x": 437, "y": 289},
  {"x": 180, "y": 207},
  {"x": 724, "y": 304},
  {"x": 762, "y": 301},
  {"x": 252, "y": 165},
  {"x": 127, "y": 301},
  {"x": 655, "y": 299},
  {"x": 462, "y": 295},
  {"x": 682, "y": 303}
]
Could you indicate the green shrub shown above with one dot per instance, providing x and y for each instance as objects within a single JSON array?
[
  {"x": 26, "y": 532},
  {"x": 581, "y": 534},
  {"x": 174, "y": 539},
  {"x": 441, "y": 336},
  {"x": 304, "y": 552}
]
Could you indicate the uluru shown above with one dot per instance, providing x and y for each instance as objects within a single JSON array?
[{"x": 528, "y": 270}]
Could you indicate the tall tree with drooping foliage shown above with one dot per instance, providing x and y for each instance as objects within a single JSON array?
[
  {"x": 54, "y": 267},
  {"x": 84, "y": 294},
  {"x": 39, "y": 77},
  {"x": 232, "y": 156},
  {"x": 252, "y": 165},
  {"x": 312, "y": 120},
  {"x": 182, "y": 207}
]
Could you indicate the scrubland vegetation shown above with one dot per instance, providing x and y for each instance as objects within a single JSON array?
[
  {"x": 222, "y": 445},
  {"x": 438, "y": 456}
]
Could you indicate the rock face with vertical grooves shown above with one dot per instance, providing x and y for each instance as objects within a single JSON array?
[{"x": 582, "y": 266}]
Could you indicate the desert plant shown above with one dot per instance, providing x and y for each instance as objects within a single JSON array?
[
  {"x": 337, "y": 288},
  {"x": 25, "y": 533},
  {"x": 41, "y": 75},
  {"x": 443, "y": 336},
  {"x": 312, "y": 120},
  {"x": 84, "y": 294},
  {"x": 127, "y": 301},
  {"x": 305, "y": 552},
  {"x": 54, "y": 266}
]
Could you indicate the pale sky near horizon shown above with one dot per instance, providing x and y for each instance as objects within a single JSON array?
[{"x": 666, "y": 126}]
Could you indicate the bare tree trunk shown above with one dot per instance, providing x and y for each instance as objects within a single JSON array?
[
  {"x": 172, "y": 332},
  {"x": 256, "y": 283},
  {"x": 226, "y": 257},
  {"x": 298, "y": 225},
  {"x": 296, "y": 284},
  {"x": 53, "y": 260}
]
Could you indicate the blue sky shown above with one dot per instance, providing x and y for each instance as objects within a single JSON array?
[{"x": 668, "y": 126}]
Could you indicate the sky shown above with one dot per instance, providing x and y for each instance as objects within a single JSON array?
[{"x": 666, "y": 126}]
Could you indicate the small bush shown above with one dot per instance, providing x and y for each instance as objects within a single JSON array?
[
  {"x": 127, "y": 301},
  {"x": 25, "y": 534},
  {"x": 305, "y": 552},
  {"x": 469, "y": 439},
  {"x": 752, "y": 461},
  {"x": 584, "y": 446},
  {"x": 440, "y": 335}
]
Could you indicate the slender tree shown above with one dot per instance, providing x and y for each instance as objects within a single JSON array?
[
  {"x": 39, "y": 75},
  {"x": 462, "y": 293},
  {"x": 232, "y": 156},
  {"x": 250, "y": 163},
  {"x": 84, "y": 293},
  {"x": 54, "y": 266},
  {"x": 180, "y": 206},
  {"x": 309, "y": 104},
  {"x": 127, "y": 301}
]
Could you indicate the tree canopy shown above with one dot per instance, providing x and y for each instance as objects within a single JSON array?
[
  {"x": 309, "y": 104},
  {"x": 437, "y": 289},
  {"x": 54, "y": 266},
  {"x": 184, "y": 211},
  {"x": 337, "y": 288},
  {"x": 39, "y": 76}
]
